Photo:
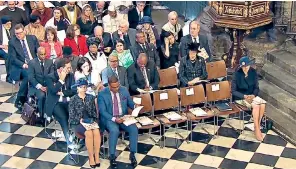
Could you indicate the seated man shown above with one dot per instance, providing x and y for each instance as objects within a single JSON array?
[
  {"x": 137, "y": 13},
  {"x": 115, "y": 70},
  {"x": 194, "y": 37},
  {"x": 192, "y": 67},
  {"x": 44, "y": 13},
  {"x": 113, "y": 102},
  {"x": 6, "y": 32},
  {"x": 59, "y": 93},
  {"x": 149, "y": 49},
  {"x": 105, "y": 39},
  {"x": 111, "y": 21},
  {"x": 39, "y": 68},
  {"x": 142, "y": 75},
  {"x": 126, "y": 34},
  {"x": 21, "y": 48}
]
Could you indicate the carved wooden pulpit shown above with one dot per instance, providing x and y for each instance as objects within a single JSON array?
[{"x": 239, "y": 18}]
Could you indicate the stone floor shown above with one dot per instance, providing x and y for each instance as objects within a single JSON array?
[{"x": 24, "y": 146}]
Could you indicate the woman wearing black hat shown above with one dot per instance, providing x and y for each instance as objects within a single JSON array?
[
  {"x": 245, "y": 86},
  {"x": 83, "y": 118}
]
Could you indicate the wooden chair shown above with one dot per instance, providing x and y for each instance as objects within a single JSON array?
[
  {"x": 168, "y": 77},
  {"x": 197, "y": 97},
  {"x": 171, "y": 102},
  {"x": 222, "y": 92},
  {"x": 216, "y": 69},
  {"x": 148, "y": 109}
]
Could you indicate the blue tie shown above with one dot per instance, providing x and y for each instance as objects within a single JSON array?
[{"x": 27, "y": 57}]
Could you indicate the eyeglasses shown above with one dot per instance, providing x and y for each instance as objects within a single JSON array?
[
  {"x": 17, "y": 33},
  {"x": 113, "y": 61}
]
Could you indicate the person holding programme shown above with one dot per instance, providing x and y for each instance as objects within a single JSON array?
[
  {"x": 245, "y": 86},
  {"x": 113, "y": 103},
  {"x": 83, "y": 118}
]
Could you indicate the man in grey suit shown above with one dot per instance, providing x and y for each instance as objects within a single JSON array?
[
  {"x": 142, "y": 46},
  {"x": 194, "y": 37},
  {"x": 126, "y": 34},
  {"x": 39, "y": 68},
  {"x": 115, "y": 70}
]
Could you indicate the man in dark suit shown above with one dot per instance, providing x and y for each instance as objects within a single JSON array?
[
  {"x": 115, "y": 70},
  {"x": 113, "y": 103},
  {"x": 106, "y": 44},
  {"x": 5, "y": 35},
  {"x": 17, "y": 14},
  {"x": 59, "y": 93},
  {"x": 194, "y": 37},
  {"x": 22, "y": 48},
  {"x": 126, "y": 34},
  {"x": 100, "y": 10},
  {"x": 142, "y": 75},
  {"x": 67, "y": 53},
  {"x": 39, "y": 68},
  {"x": 137, "y": 13},
  {"x": 142, "y": 46}
]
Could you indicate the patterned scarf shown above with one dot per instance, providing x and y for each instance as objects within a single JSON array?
[{"x": 149, "y": 34}]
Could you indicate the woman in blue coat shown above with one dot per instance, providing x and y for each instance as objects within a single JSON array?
[{"x": 245, "y": 86}]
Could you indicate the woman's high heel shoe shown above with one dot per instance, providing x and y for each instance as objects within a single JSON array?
[
  {"x": 92, "y": 166},
  {"x": 98, "y": 165}
]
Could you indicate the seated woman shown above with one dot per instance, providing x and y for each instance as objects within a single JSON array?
[
  {"x": 170, "y": 51},
  {"x": 150, "y": 31},
  {"x": 96, "y": 56},
  {"x": 76, "y": 41},
  {"x": 87, "y": 21},
  {"x": 51, "y": 44},
  {"x": 35, "y": 28},
  {"x": 124, "y": 56},
  {"x": 59, "y": 22},
  {"x": 82, "y": 114},
  {"x": 245, "y": 86},
  {"x": 84, "y": 70}
]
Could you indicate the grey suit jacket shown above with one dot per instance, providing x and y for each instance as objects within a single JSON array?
[
  {"x": 131, "y": 34},
  {"x": 186, "y": 40},
  {"x": 151, "y": 52},
  {"x": 35, "y": 74},
  {"x": 122, "y": 73}
]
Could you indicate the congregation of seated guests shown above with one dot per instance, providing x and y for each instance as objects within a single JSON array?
[{"x": 82, "y": 63}]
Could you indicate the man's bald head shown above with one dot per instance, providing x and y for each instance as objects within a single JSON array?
[
  {"x": 41, "y": 53},
  {"x": 40, "y": 7}
]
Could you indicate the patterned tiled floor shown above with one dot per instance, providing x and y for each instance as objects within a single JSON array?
[{"x": 23, "y": 146}]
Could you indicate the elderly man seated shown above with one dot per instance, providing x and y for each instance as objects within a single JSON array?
[
  {"x": 126, "y": 34},
  {"x": 142, "y": 75}
]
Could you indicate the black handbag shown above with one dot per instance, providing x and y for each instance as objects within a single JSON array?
[{"x": 29, "y": 112}]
